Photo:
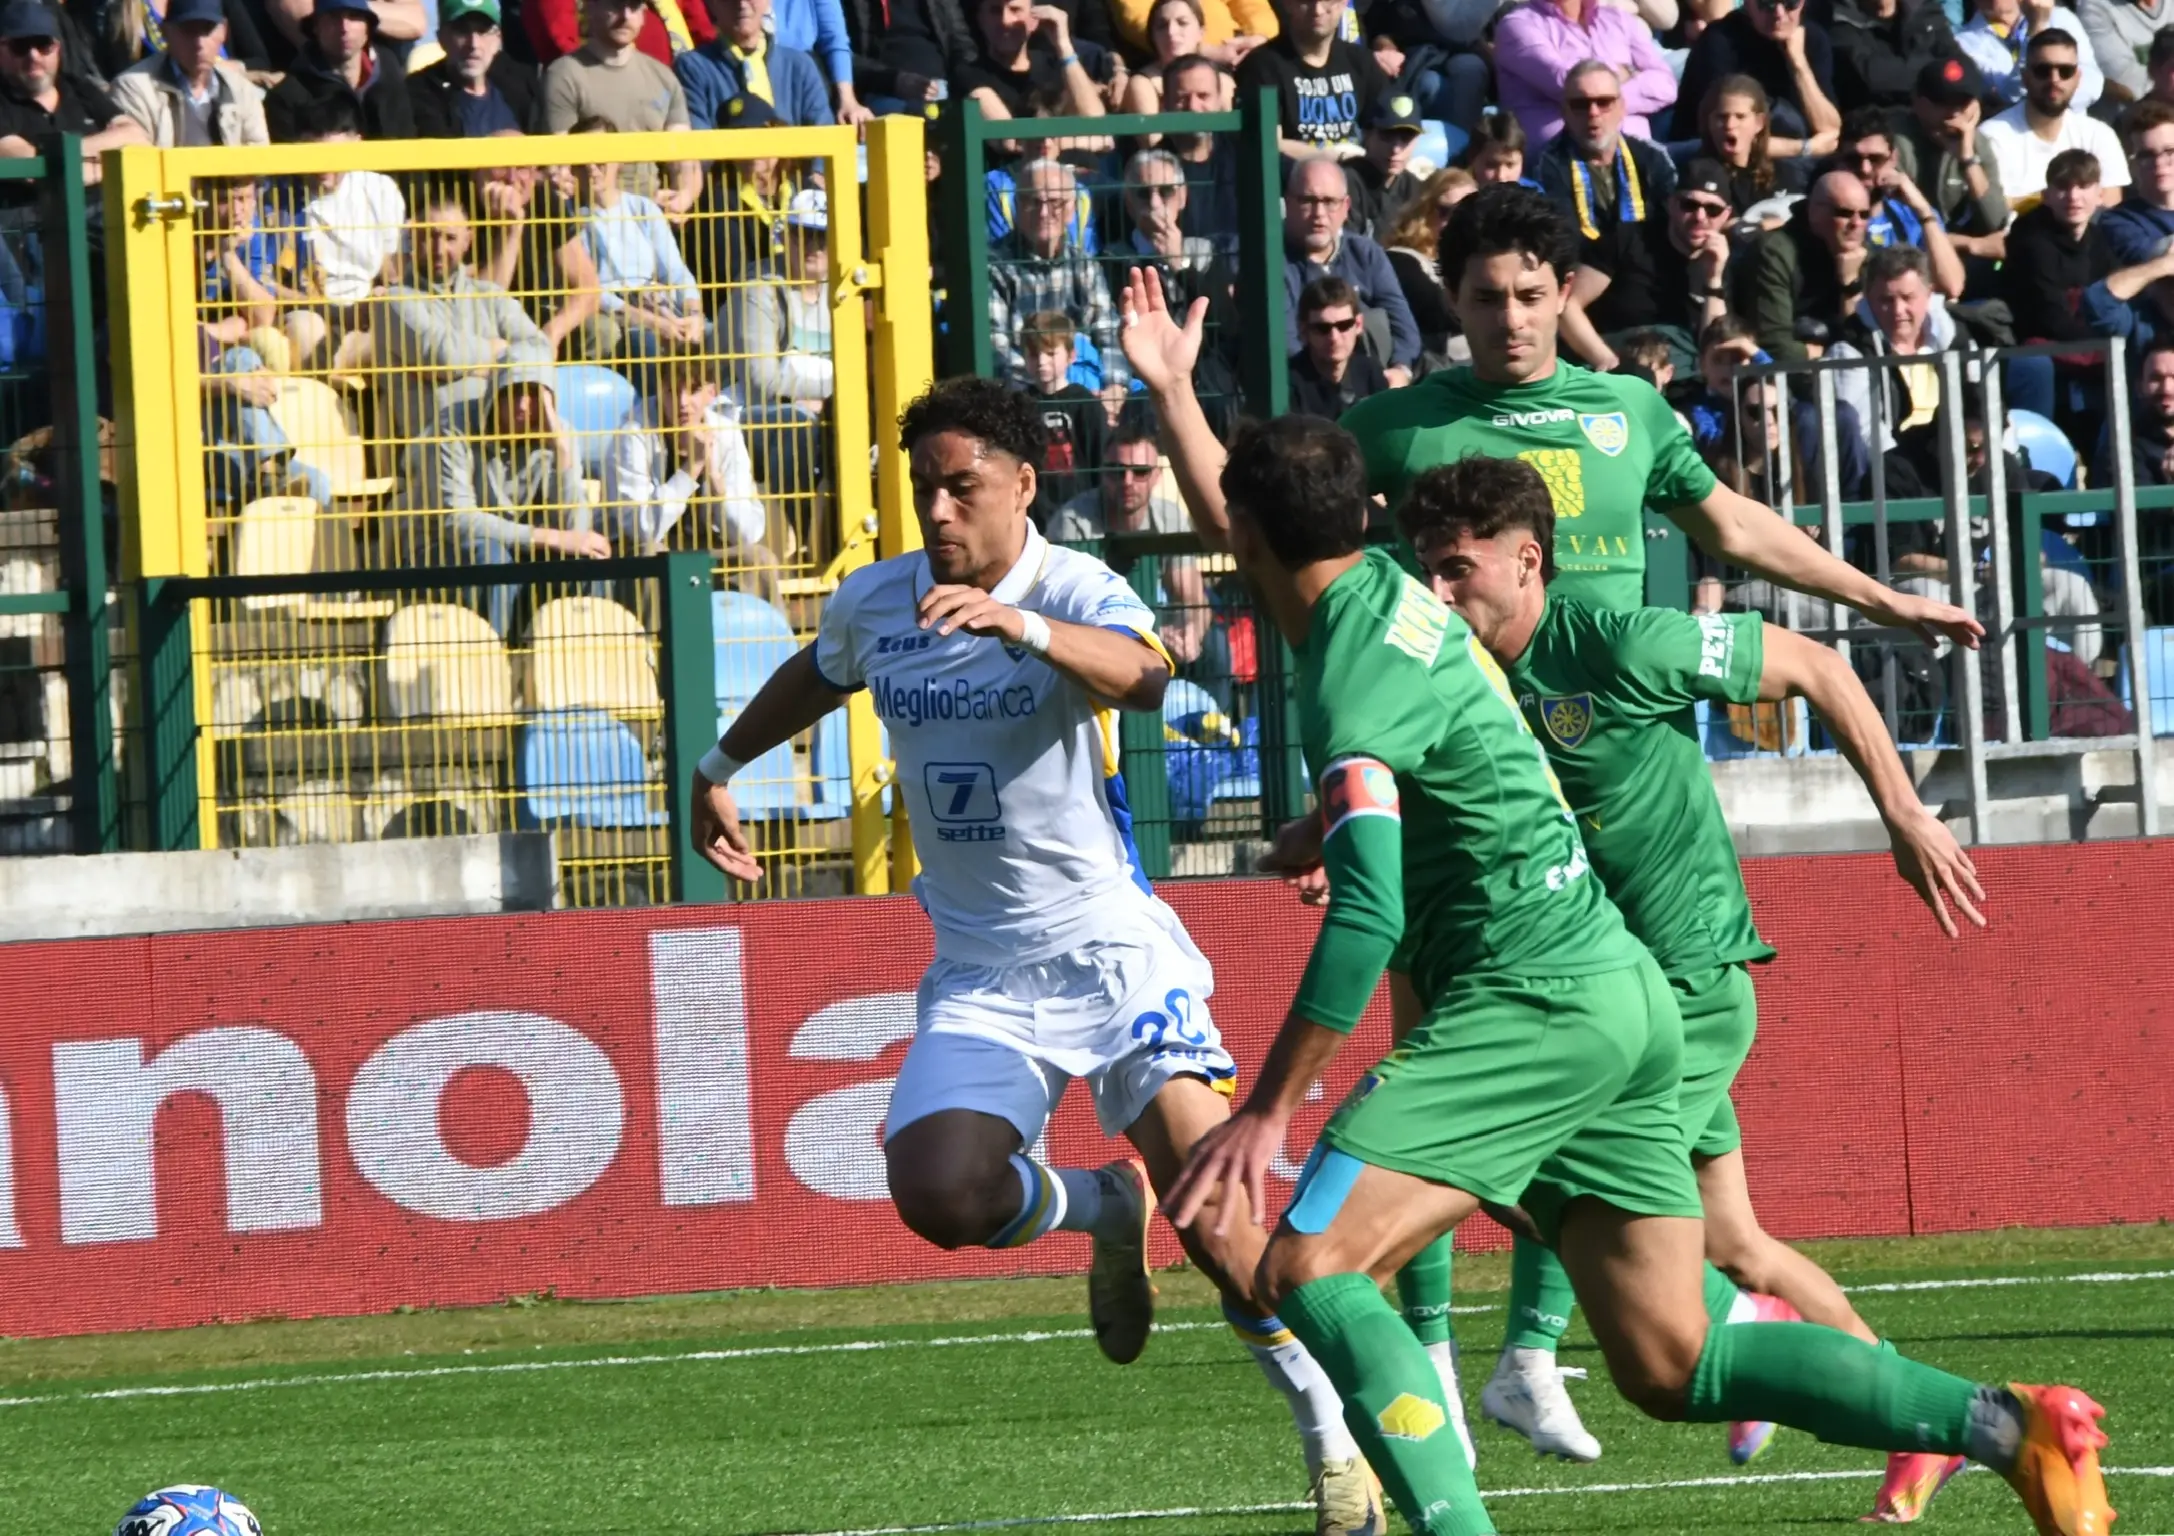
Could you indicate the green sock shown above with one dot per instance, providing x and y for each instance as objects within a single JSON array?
[
  {"x": 1540, "y": 1298},
  {"x": 1422, "y": 1287},
  {"x": 1825, "y": 1382},
  {"x": 1721, "y": 1296},
  {"x": 1392, "y": 1401}
]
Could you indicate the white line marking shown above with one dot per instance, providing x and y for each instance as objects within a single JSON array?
[
  {"x": 1121, "y": 1516},
  {"x": 854, "y": 1347}
]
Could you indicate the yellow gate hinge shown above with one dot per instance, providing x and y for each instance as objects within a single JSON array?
[{"x": 861, "y": 277}]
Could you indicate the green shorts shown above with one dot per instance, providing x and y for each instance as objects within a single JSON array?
[
  {"x": 1534, "y": 1091},
  {"x": 1720, "y": 1016}
]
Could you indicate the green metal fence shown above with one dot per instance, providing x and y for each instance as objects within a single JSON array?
[{"x": 57, "y": 693}]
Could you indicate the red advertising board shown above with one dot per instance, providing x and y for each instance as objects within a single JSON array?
[{"x": 350, "y": 1118}]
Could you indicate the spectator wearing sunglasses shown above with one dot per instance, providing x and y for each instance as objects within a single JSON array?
[
  {"x": 1331, "y": 374},
  {"x": 1999, "y": 40},
  {"x": 2049, "y": 119},
  {"x": 1667, "y": 276},
  {"x": 1790, "y": 56},
  {"x": 39, "y": 98},
  {"x": 1901, "y": 213},
  {"x": 1812, "y": 268}
]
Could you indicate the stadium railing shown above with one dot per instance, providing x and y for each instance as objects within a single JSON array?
[
  {"x": 59, "y": 694},
  {"x": 2088, "y": 551},
  {"x": 1220, "y": 770},
  {"x": 333, "y": 484}
]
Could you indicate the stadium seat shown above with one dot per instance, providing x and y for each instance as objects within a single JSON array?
[
  {"x": 1718, "y": 733},
  {"x": 2159, "y": 667},
  {"x": 583, "y": 768},
  {"x": 315, "y": 420},
  {"x": 593, "y": 401},
  {"x": 2045, "y": 445},
  {"x": 445, "y": 662},
  {"x": 19, "y": 578},
  {"x": 591, "y": 653},
  {"x": 754, "y": 640}
]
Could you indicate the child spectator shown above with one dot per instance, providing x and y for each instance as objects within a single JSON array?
[
  {"x": 679, "y": 459},
  {"x": 1496, "y": 150},
  {"x": 350, "y": 225},
  {"x": 650, "y": 302},
  {"x": 1073, "y": 416}
]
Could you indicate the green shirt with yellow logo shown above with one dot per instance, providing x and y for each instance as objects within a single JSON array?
[
  {"x": 1606, "y": 446},
  {"x": 1611, "y": 695},
  {"x": 1443, "y": 823}
]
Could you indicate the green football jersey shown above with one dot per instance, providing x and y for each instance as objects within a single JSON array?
[
  {"x": 1606, "y": 446},
  {"x": 1611, "y": 695},
  {"x": 1443, "y": 824}
]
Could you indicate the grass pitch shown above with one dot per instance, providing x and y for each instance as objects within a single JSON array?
[{"x": 985, "y": 1407}]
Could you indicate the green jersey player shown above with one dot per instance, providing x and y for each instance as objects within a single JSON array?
[
  {"x": 1610, "y": 693},
  {"x": 1546, "y": 1067}
]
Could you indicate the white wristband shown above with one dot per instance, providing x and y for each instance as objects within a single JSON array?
[
  {"x": 717, "y": 767},
  {"x": 1034, "y": 633}
]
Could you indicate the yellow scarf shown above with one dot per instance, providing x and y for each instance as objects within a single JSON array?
[
  {"x": 754, "y": 70},
  {"x": 675, "y": 26},
  {"x": 1630, "y": 197}
]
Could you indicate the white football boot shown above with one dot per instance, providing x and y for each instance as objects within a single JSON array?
[{"x": 1526, "y": 1394}]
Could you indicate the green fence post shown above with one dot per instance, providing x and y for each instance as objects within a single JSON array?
[
  {"x": 2030, "y": 605},
  {"x": 687, "y": 677},
  {"x": 1263, "y": 368},
  {"x": 166, "y": 714},
  {"x": 1143, "y": 751},
  {"x": 94, "y": 791},
  {"x": 967, "y": 350}
]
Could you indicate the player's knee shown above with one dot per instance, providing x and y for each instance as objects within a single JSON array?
[
  {"x": 1655, "y": 1375},
  {"x": 1286, "y": 1265},
  {"x": 951, "y": 1206}
]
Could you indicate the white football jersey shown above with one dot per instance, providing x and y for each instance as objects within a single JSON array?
[{"x": 1010, "y": 769}]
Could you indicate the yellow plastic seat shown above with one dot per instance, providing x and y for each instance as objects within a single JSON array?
[
  {"x": 591, "y": 653},
  {"x": 315, "y": 420},
  {"x": 445, "y": 662}
]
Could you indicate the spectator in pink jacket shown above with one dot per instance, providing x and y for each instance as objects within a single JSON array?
[{"x": 1537, "y": 43}]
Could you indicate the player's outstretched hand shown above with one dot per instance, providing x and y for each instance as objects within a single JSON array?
[
  {"x": 1235, "y": 1154},
  {"x": 1295, "y": 857},
  {"x": 949, "y": 608},
  {"x": 1161, "y": 349},
  {"x": 1933, "y": 621},
  {"x": 718, "y": 833},
  {"x": 1937, "y": 868}
]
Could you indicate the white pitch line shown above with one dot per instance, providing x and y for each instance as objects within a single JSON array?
[
  {"x": 1124, "y": 1516},
  {"x": 844, "y": 1347}
]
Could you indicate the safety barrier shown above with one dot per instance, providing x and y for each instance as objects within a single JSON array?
[
  {"x": 448, "y": 1112},
  {"x": 349, "y": 365},
  {"x": 59, "y": 786}
]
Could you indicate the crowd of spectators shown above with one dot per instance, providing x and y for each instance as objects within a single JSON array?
[{"x": 1778, "y": 180}]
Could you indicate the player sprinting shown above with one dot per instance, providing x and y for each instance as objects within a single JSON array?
[
  {"x": 1609, "y": 694},
  {"x": 1545, "y": 1071},
  {"x": 1607, "y": 447},
  {"x": 998, "y": 662}
]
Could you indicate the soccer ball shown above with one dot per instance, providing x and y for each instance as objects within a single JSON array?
[{"x": 189, "y": 1509}]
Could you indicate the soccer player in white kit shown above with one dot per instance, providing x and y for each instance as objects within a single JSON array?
[{"x": 998, "y": 662}]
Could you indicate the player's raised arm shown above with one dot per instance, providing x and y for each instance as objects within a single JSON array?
[
  {"x": 1163, "y": 350},
  {"x": 795, "y": 697},
  {"x": 1925, "y": 850},
  {"x": 1746, "y": 533}
]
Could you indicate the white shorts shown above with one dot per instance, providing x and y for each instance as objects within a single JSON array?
[{"x": 1127, "y": 1014}]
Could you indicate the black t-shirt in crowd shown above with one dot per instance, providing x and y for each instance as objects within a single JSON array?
[
  {"x": 1313, "y": 395},
  {"x": 1015, "y": 88},
  {"x": 1321, "y": 106},
  {"x": 1744, "y": 189},
  {"x": 83, "y": 108},
  {"x": 1079, "y": 432},
  {"x": 1647, "y": 284},
  {"x": 1732, "y": 46}
]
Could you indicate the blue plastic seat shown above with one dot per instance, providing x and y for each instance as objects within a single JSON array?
[
  {"x": 2045, "y": 445},
  {"x": 2159, "y": 668},
  {"x": 594, "y": 402},
  {"x": 585, "y": 768},
  {"x": 753, "y": 640}
]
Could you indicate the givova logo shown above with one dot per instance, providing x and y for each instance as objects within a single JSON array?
[{"x": 1533, "y": 418}]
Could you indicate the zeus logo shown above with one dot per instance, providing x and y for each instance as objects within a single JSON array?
[
  {"x": 1533, "y": 418},
  {"x": 899, "y": 645}
]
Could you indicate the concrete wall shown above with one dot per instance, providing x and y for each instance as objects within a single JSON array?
[{"x": 123, "y": 893}]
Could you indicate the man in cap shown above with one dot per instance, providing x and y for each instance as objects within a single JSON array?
[
  {"x": 38, "y": 99},
  {"x": 745, "y": 60},
  {"x": 477, "y": 90},
  {"x": 1668, "y": 274},
  {"x": 1380, "y": 180},
  {"x": 342, "y": 60},
  {"x": 781, "y": 344},
  {"x": 1939, "y": 151},
  {"x": 187, "y": 94}
]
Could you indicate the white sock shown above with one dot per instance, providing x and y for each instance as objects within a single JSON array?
[
  {"x": 1315, "y": 1408},
  {"x": 1055, "y": 1200},
  {"x": 1996, "y": 1428},
  {"x": 1522, "y": 1360},
  {"x": 1444, "y": 1356}
]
